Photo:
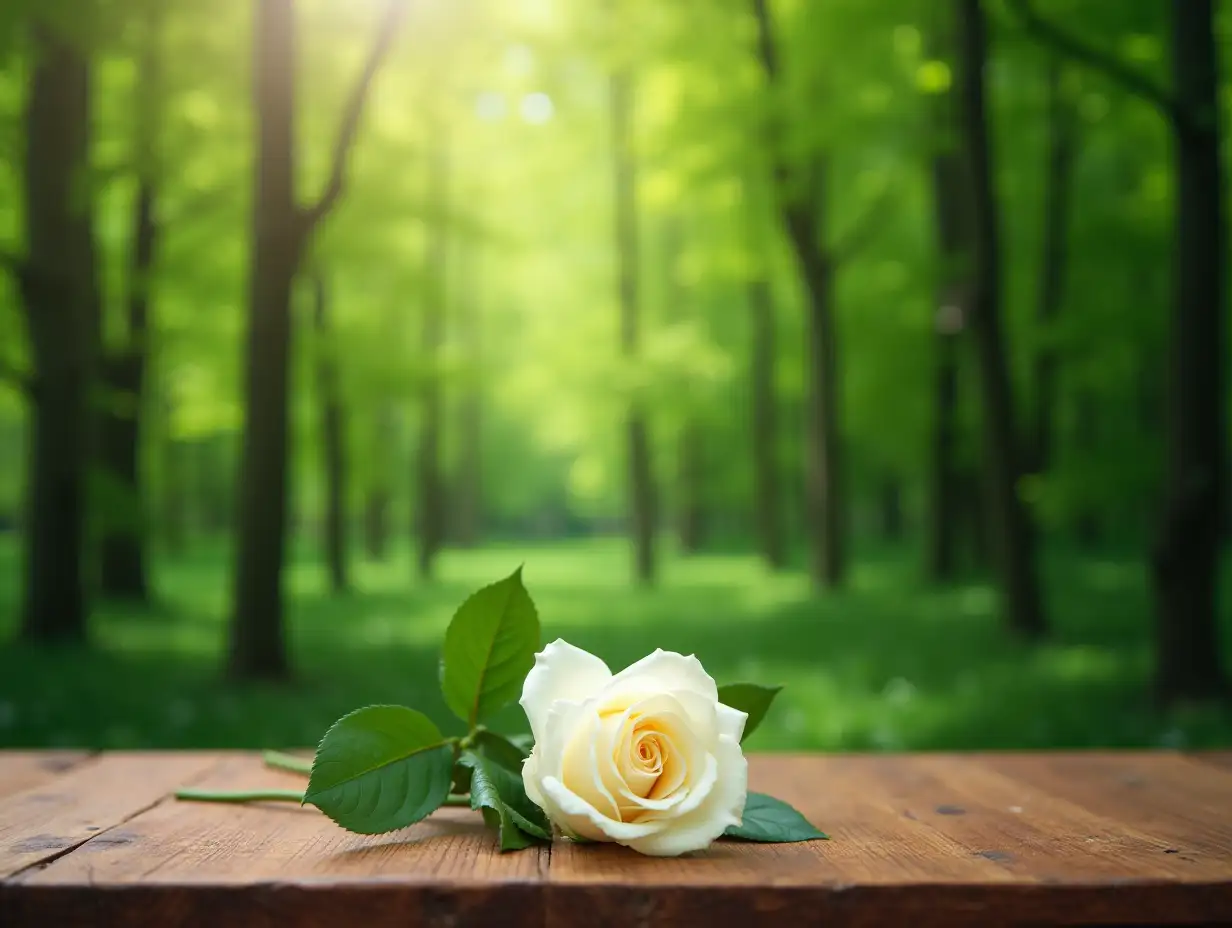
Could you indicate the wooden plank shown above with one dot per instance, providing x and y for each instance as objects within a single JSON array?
[
  {"x": 282, "y": 864},
  {"x": 925, "y": 839},
  {"x": 1187, "y": 806},
  {"x": 20, "y": 770},
  {"x": 1217, "y": 758},
  {"x": 48, "y": 820},
  {"x": 1040, "y": 833}
]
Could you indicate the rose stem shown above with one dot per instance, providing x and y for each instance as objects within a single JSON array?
[
  {"x": 274, "y": 795},
  {"x": 260, "y": 795},
  {"x": 289, "y": 762}
]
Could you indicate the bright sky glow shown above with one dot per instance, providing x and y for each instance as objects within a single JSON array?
[
  {"x": 537, "y": 108},
  {"x": 490, "y": 106}
]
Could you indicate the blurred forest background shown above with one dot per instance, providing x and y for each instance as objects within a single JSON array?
[{"x": 872, "y": 347}]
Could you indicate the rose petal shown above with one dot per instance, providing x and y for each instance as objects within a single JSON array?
[
  {"x": 723, "y": 807},
  {"x": 658, "y": 713},
  {"x": 579, "y": 770},
  {"x": 530, "y": 778},
  {"x": 586, "y": 820},
  {"x": 731, "y": 722},
  {"x": 663, "y": 672},
  {"x": 701, "y": 781},
  {"x": 561, "y": 671}
]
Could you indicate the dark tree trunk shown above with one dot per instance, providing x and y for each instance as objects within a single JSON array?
[
  {"x": 1087, "y": 530},
  {"x": 1011, "y": 530},
  {"x": 174, "y": 516},
  {"x": 376, "y": 524},
  {"x": 944, "y": 511},
  {"x": 430, "y": 489},
  {"x": 281, "y": 229},
  {"x": 333, "y": 441},
  {"x": 768, "y": 500},
  {"x": 257, "y": 647},
  {"x": 893, "y": 523},
  {"x": 60, "y": 301},
  {"x": 823, "y": 461},
  {"x": 122, "y": 423},
  {"x": 803, "y": 208},
  {"x": 1187, "y": 547},
  {"x": 953, "y": 296},
  {"x": 642, "y": 502},
  {"x": 122, "y": 573},
  {"x": 378, "y": 499},
  {"x": 1057, "y": 187}
]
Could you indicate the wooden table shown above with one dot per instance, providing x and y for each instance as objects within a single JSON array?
[{"x": 918, "y": 840}]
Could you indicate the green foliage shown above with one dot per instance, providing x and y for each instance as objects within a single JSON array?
[
  {"x": 501, "y": 750},
  {"x": 750, "y": 698},
  {"x": 767, "y": 819},
  {"x": 379, "y": 769},
  {"x": 489, "y": 648},
  {"x": 500, "y": 792}
]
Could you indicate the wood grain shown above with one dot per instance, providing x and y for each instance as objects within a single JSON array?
[
  {"x": 291, "y": 864},
  {"x": 51, "y": 819},
  {"x": 1184, "y": 805},
  {"x": 935, "y": 839},
  {"x": 21, "y": 770},
  {"x": 924, "y": 840},
  {"x": 1218, "y": 758}
]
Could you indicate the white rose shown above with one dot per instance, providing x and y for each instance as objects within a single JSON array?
[{"x": 648, "y": 758}]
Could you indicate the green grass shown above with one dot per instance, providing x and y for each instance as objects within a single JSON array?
[{"x": 887, "y": 664}]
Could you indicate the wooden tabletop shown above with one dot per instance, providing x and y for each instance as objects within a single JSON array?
[{"x": 928, "y": 839}]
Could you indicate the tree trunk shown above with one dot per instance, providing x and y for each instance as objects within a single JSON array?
[
  {"x": 893, "y": 525},
  {"x": 954, "y": 251},
  {"x": 768, "y": 502},
  {"x": 1187, "y": 547},
  {"x": 430, "y": 502},
  {"x": 257, "y": 647},
  {"x": 333, "y": 442},
  {"x": 642, "y": 503},
  {"x": 379, "y": 499},
  {"x": 122, "y": 426},
  {"x": 60, "y": 301},
  {"x": 823, "y": 464},
  {"x": 1058, "y": 184},
  {"x": 1011, "y": 530},
  {"x": 944, "y": 511}
]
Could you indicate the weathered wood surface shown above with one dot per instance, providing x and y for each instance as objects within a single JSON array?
[{"x": 929, "y": 839}]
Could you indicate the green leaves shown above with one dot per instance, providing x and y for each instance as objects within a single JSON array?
[
  {"x": 489, "y": 649},
  {"x": 751, "y": 698},
  {"x": 500, "y": 794},
  {"x": 379, "y": 769},
  {"x": 771, "y": 820},
  {"x": 502, "y": 750}
]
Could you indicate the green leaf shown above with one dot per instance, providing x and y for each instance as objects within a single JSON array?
[
  {"x": 379, "y": 769},
  {"x": 505, "y": 805},
  {"x": 772, "y": 821},
  {"x": 751, "y": 698},
  {"x": 490, "y": 647},
  {"x": 502, "y": 750}
]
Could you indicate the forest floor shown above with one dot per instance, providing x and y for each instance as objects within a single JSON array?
[{"x": 887, "y": 664}]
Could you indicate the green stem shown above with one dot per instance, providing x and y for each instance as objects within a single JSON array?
[
  {"x": 260, "y": 795},
  {"x": 275, "y": 795},
  {"x": 280, "y": 761}
]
